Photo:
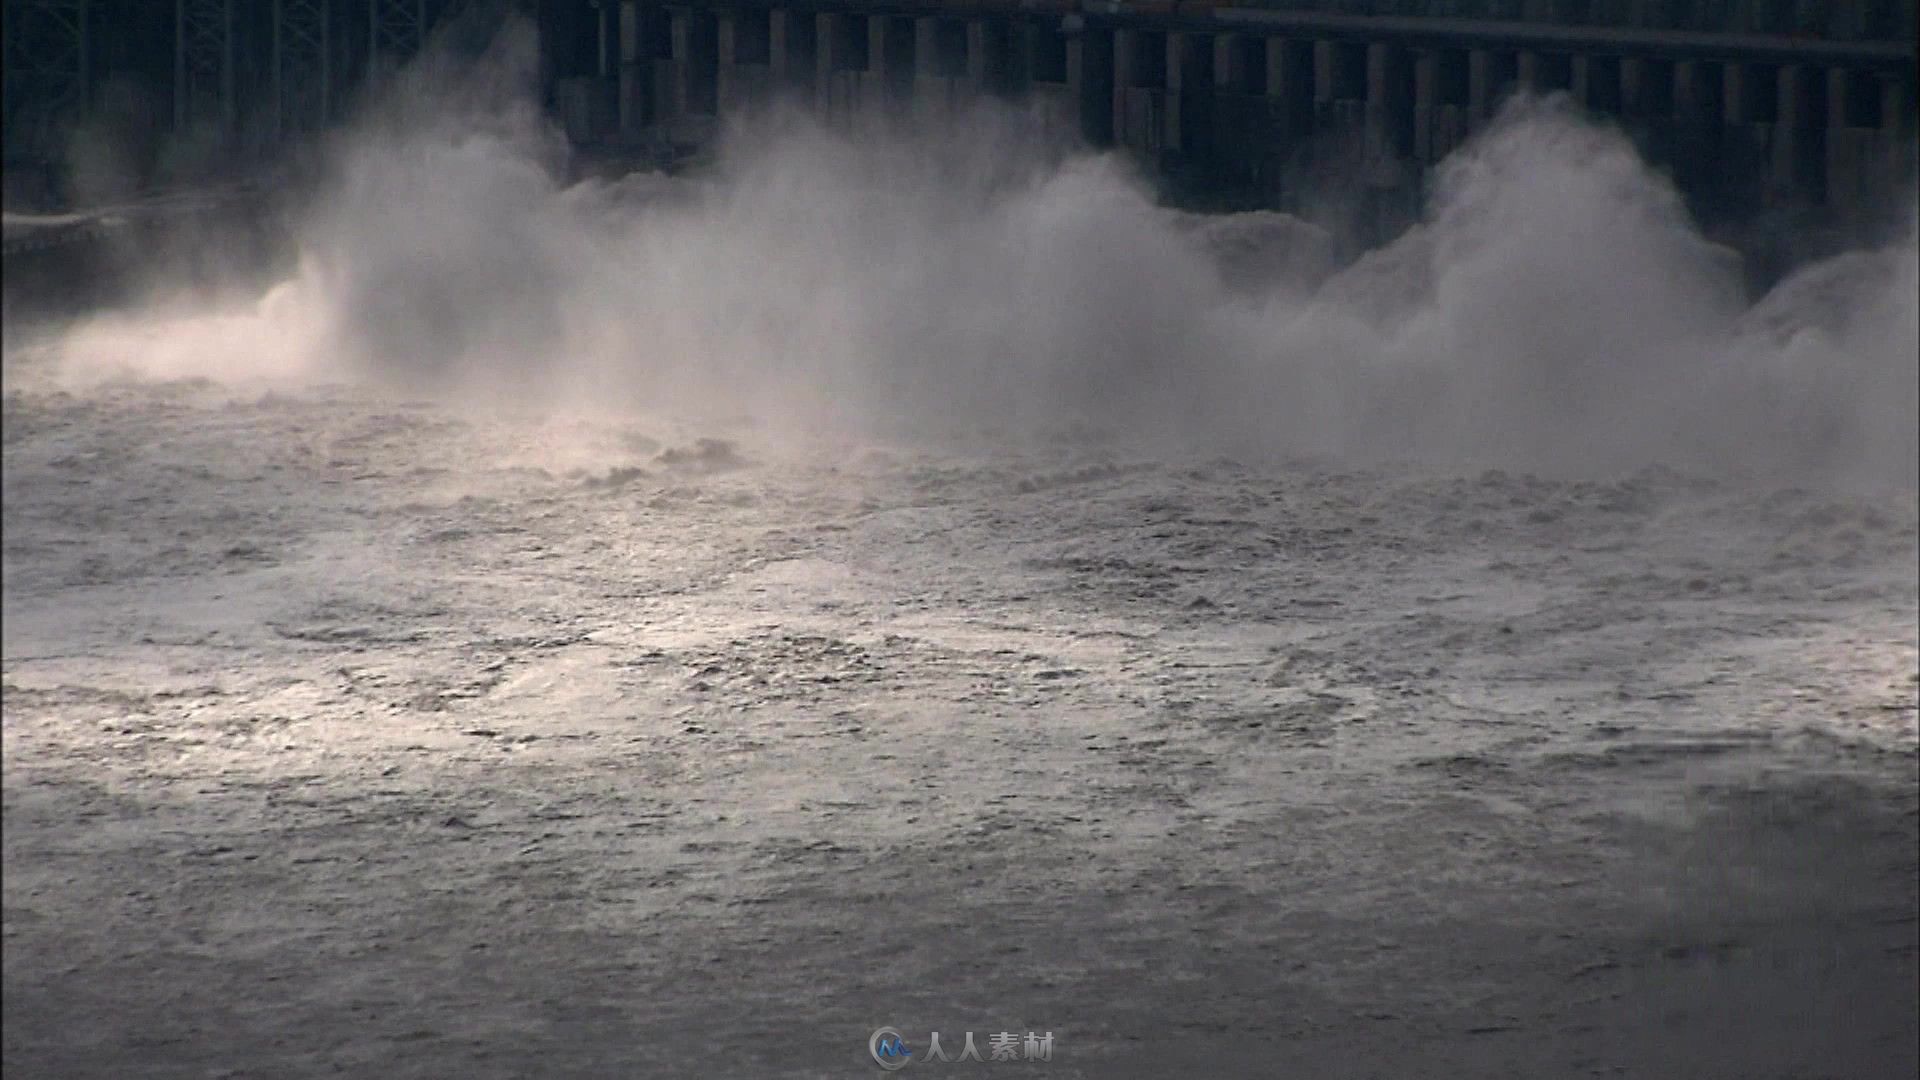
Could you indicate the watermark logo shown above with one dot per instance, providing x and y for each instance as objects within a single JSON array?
[
  {"x": 891, "y": 1052},
  {"x": 889, "y": 1049}
]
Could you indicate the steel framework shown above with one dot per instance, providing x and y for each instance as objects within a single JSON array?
[
  {"x": 396, "y": 29},
  {"x": 48, "y": 69},
  {"x": 203, "y": 68},
  {"x": 303, "y": 68}
]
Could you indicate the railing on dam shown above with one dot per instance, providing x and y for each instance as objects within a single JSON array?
[{"x": 1870, "y": 20}]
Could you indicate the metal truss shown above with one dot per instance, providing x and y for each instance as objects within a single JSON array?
[
  {"x": 396, "y": 28},
  {"x": 399, "y": 29},
  {"x": 203, "y": 70},
  {"x": 303, "y": 69},
  {"x": 47, "y": 64}
]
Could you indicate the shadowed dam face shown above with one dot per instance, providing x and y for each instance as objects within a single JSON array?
[{"x": 1554, "y": 310}]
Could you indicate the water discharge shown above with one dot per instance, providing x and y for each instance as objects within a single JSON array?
[
  {"x": 489, "y": 699},
  {"x": 1554, "y": 309}
]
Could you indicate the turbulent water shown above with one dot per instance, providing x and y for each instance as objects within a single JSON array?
[
  {"x": 1553, "y": 310},
  {"x": 916, "y": 580}
]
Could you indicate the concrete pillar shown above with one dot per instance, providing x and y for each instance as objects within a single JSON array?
[
  {"x": 606, "y": 41},
  {"x": 1426, "y": 97},
  {"x": 987, "y": 55},
  {"x": 634, "y": 70},
  {"x": 726, "y": 52},
  {"x": 926, "y": 47},
  {"x": 930, "y": 97},
  {"x": 1284, "y": 75},
  {"x": 1126, "y": 74},
  {"x": 1837, "y": 98},
  {"x": 1387, "y": 118},
  {"x": 1633, "y": 87},
  {"x": 890, "y": 61},
  {"x": 780, "y": 47},
  {"x": 1789, "y": 131},
  {"x": 1230, "y": 73},
  {"x": 1385, "y": 109},
  {"x": 1090, "y": 83},
  {"x": 978, "y": 68},
  {"x": 1179, "y": 118},
  {"x": 1280, "y": 75},
  {"x": 1895, "y": 152},
  {"x": 792, "y": 55},
  {"x": 1687, "y": 104},
  {"x": 1285, "y": 71},
  {"x": 680, "y": 37},
  {"x": 1733, "y": 93},
  {"x": 830, "y": 56},
  {"x": 1194, "y": 95},
  {"x": 1896, "y": 105},
  {"x": 942, "y": 67},
  {"x": 1480, "y": 88},
  {"x": 1025, "y": 54},
  {"x": 1448, "y": 122},
  {"x": 1378, "y": 96},
  {"x": 1325, "y": 61},
  {"x": 1843, "y": 165}
]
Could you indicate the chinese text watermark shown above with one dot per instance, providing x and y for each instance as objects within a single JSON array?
[{"x": 892, "y": 1052}]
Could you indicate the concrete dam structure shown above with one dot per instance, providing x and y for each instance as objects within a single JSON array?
[
  {"x": 1751, "y": 105},
  {"x": 1814, "y": 106}
]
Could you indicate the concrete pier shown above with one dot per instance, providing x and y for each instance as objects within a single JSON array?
[
  {"x": 1090, "y": 73},
  {"x": 791, "y": 48},
  {"x": 1140, "y": 90},
  {"x": 840, "y": 54},
  {"x": 940, "y": 84},
  {"x": 1807, "y": 103}
]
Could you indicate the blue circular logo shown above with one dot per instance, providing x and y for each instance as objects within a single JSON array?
[{"x": 889, "y": 1050}]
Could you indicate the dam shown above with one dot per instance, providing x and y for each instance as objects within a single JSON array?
[
  {"x": 1754, "y": 110},
  {"x": 1751, "y": 106},
  {"x": 678, "y": 539}
]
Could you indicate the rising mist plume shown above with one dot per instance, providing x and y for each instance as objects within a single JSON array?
[{"x": 1554, "y": 309}]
